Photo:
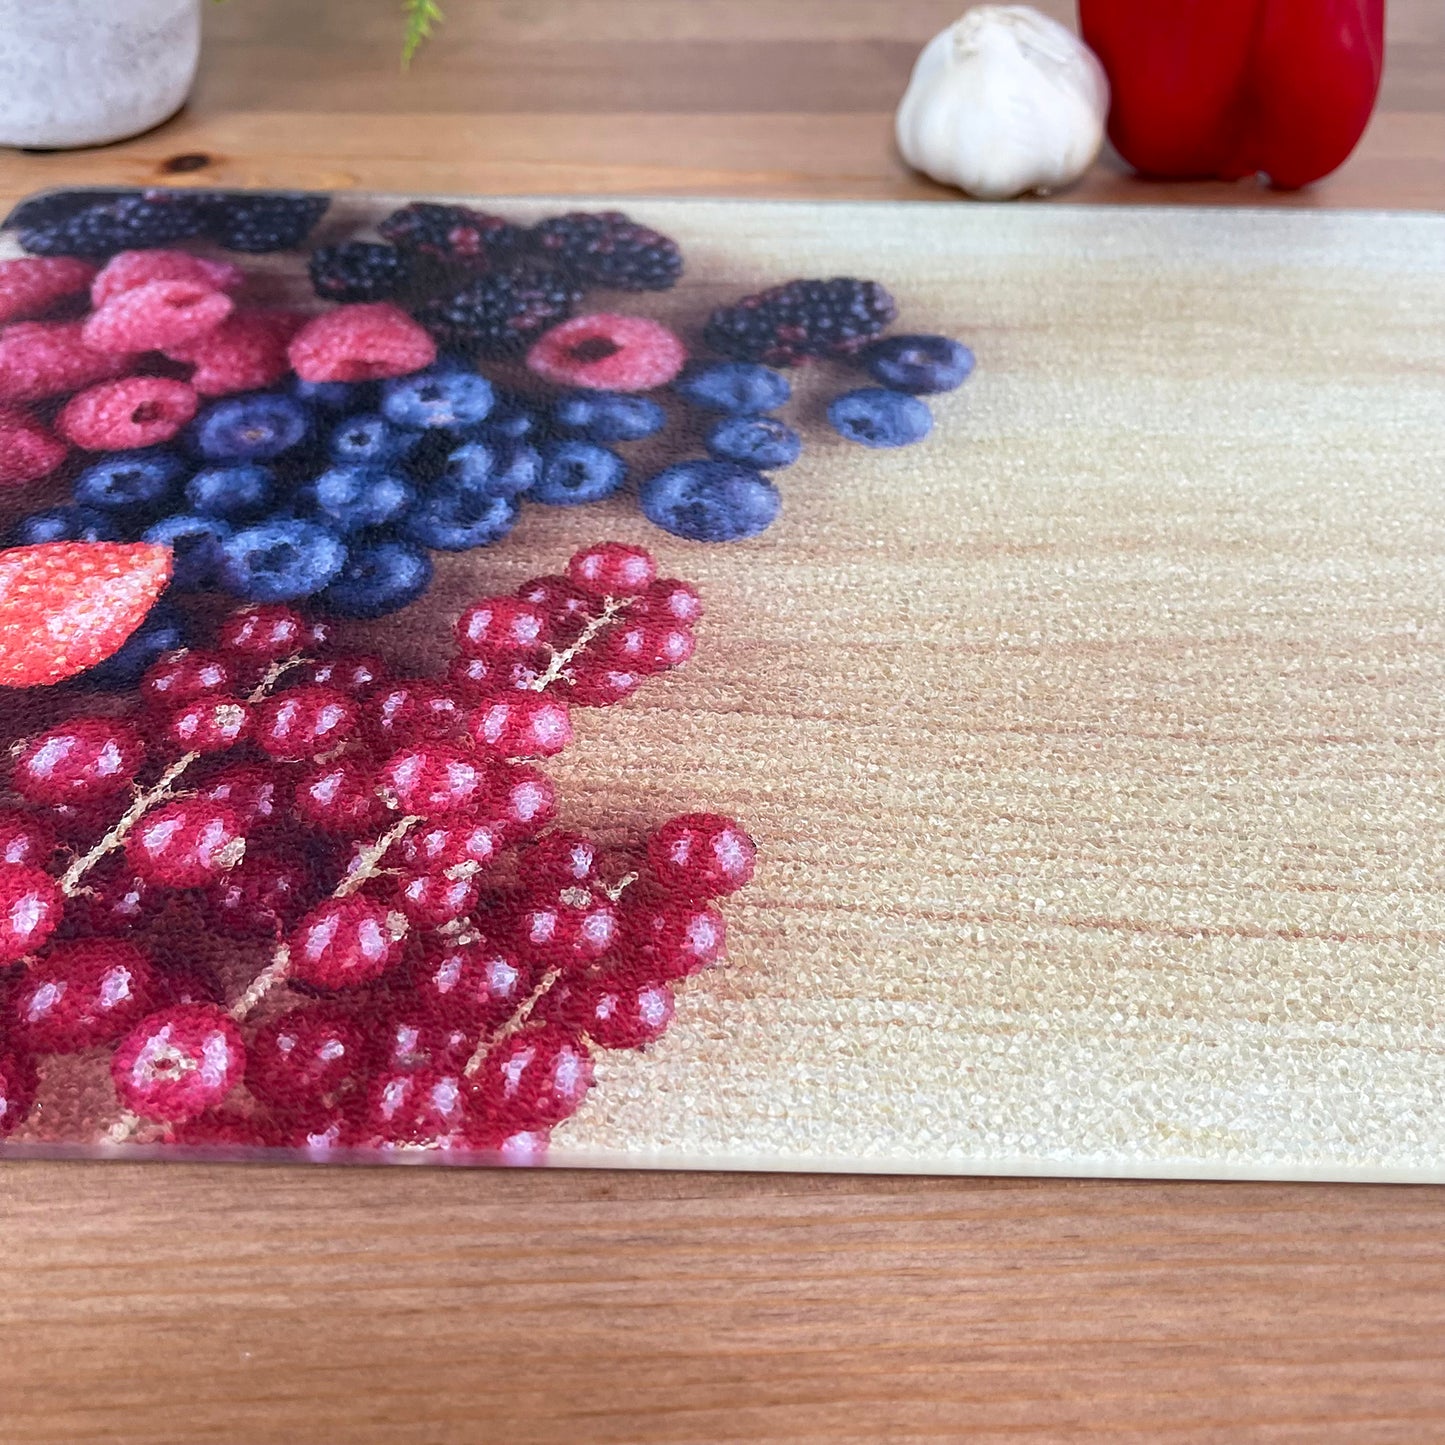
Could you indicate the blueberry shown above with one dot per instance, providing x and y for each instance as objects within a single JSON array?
[
  {"x": 761, "y": 442},
  {"x": 454, "y": 519},
  {"x": 163, "y": 629},
  {"x": 873, "y": 416},
  {"x": 351, "y": 498},
  {"x": 440, "y": 396},
  {"x": 245, "y": 490},
  {"x": 251, "y": 428},
  {"x": 65, "y": 524},
  {"x": 196, "y": 545},
  {"x": 503, "y": 469},
  {"x": 710, "y": 501},
  {"x": 578, "y": 472},
  {"x": 367, "y": 438},
  {"x": 607, "y": 416},
  {"x": 380, "y": 576},
  {"x": 470, "y": 466},
  {"x": 918, "y": 363},
  {"x": 510, "y": 419},
  {"x": 281, "y": 559},
  {"x": 740, "y": 388},
  {"x": 139, "y": 480},
  {"x": 333, "y": 395}
]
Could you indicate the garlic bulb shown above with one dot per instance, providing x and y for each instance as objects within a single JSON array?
[{"x": 1002, "y": 102}]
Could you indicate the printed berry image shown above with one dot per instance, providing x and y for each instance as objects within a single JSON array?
[
  {"x": 407, "y": 955},
  {"x": 609, "y": 250},
  {"x": 455, "y": 235},
  {"x": 789, "y": 324},
  {"x": 500, "y": 314},
  {"x": 301, "y": 407},
  {"x": 100, "y": 224}
]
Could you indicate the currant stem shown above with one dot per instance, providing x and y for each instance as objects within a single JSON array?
[
  {"x": 125, "y": 1128},
  {"x": 161, "y": 791},
  {"x": 366, "y": 861},
  {"x": 365, "y": 870},
  {"x": 524, "y": 1011},
  {"x": 612, "y": 609},
  {"x": 263, "y": 983}
]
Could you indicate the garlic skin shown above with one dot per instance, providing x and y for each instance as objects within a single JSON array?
[{"x": 1003, "y": 102}]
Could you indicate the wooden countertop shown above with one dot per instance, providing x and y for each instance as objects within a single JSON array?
[{"x": 181, "y": 1303}]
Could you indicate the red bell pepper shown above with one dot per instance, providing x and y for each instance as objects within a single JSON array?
[{"x": 1233, "y": 88}]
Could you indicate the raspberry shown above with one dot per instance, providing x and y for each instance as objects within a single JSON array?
[
  {"x": 258, "y": 221},
  {"x": 128, "y": 269},
  {"x": 64, "y": 606},
  {"x": 246, "y": 352},
  {"x": 608, "y": 352},
  {"x": 357, "y": 271},
  {"x": 120, "y": 415},
  {"x": 360, "y": 343},
  {"x": 498, "y": 315},
  {"x": 154, "y": 315},
  {"x": 31, "y": 285},
  {"x": 42, "y": 359},
  {"x": 609, "y": 250},
  {"x": 451, "y": 233},
  {"x": 788, "y": 324},
  {"x": 27, "y": 451}
]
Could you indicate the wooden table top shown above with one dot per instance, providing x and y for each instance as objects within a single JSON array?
[{"x": 181, "y": 1303}]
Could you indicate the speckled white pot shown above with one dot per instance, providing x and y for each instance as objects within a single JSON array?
[{"x": 84, "y": 72}]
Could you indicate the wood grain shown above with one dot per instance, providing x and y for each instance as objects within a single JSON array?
[{"x": 179, "y": 1304}]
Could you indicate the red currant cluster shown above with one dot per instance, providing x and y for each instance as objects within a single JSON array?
[{"x": 448, "y": 960}]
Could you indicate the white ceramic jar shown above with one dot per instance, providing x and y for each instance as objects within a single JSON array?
[{"x": 84, "y": 72}]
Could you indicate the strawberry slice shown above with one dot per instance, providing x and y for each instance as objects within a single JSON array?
[{"x": 64, "y": 606}]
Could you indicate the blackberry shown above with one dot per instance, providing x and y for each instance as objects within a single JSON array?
[
  {"x": 258, "y": 221},
  {"x": 134, "y": 221},
  {"x": 51, "y": 207},
  {"x": 609, "y": 249},
  {"x": 501, "y": 313},
  {"x": 357, "y": 271},
  {"x": 453, "y": 234},
  {"x": 787, "y": 324}
]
